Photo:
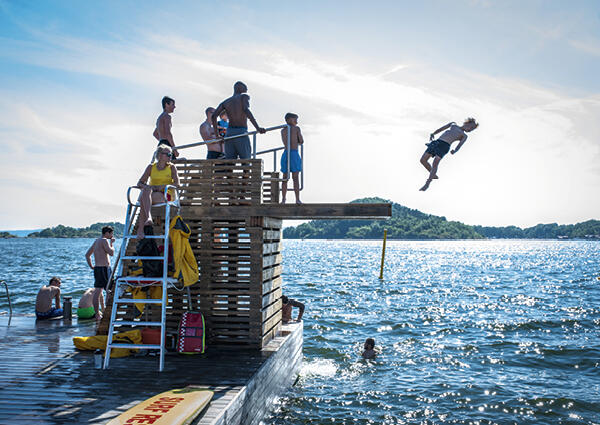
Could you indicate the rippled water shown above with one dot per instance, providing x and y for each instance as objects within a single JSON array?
[{"x": 469, "y": 331}]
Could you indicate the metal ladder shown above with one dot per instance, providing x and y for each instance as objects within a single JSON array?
[{"x": 121, "y": 282}]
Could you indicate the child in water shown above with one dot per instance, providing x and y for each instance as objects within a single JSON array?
[
  {"x": 440, "y": 147},
  {"x": 369, "y": 352}
]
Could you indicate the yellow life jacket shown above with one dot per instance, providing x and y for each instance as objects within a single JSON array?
[
  {"x": 99, "y": 342},
  {"x": 186, "y": 266}
]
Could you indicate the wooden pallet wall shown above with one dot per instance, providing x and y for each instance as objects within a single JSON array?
[{"x": 239, "y": 290}]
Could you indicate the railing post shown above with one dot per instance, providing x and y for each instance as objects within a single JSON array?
[{"x": 254, "y": 146}]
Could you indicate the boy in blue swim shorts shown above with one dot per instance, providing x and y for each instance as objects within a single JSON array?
[{"x": 295, "y": 162}]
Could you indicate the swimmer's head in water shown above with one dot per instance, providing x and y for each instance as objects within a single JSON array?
[
  {"x": 470, "y": 124},
  {"x": 369, "y": 344}
]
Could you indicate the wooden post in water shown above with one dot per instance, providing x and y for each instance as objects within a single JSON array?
[{"x": 383, "y": 254}]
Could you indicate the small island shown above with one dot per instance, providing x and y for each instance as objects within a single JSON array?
[{"x": 92, "y": 231}]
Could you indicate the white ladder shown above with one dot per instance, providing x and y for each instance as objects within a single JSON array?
[{"x": 122, "y": 282}]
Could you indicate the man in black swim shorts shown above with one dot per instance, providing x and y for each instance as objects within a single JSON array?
[{"x": 102, "y": 248}]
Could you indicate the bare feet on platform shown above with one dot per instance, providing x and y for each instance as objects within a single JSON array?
[
  {"x": 283, "y": 200},
  {"x": 298, "y": 202}
]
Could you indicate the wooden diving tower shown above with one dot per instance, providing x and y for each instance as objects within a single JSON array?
[{"x": 233, "y": 210}]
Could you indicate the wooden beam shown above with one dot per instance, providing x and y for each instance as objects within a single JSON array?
[{"x": 293, "y": 211}]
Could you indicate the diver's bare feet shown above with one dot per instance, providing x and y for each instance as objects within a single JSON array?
[
  {"x": 298, "y": 202},
  {"x": 426, "y": 186},
  {"x": 435, "y": 177},
  {"x": 283, "y": 200}
]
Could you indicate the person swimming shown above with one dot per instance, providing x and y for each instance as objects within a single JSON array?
[{"x": 369, "y": 349}]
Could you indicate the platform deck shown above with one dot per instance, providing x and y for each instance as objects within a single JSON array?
[
  {"x": 46, "y": 381},
  {"x": 297, "y": 212}
]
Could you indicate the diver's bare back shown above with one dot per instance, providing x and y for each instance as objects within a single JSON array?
[{"x": 235, "y": 106}]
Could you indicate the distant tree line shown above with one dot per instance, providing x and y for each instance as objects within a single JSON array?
[
  {"x": 6, "y": 235},
  {"x": 407, "y": 223},
  {"x": 93, "y": 231}
]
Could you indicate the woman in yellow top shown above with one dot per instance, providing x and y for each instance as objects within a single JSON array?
[{"x": 161, "y": 173}]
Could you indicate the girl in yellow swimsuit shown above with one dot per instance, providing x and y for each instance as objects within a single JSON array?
[{"x": 161, "y": 173}]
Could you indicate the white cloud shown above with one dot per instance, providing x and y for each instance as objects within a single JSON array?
[
  {"x": 590, "y": 47},
  {"x": 533, "y": 159}
]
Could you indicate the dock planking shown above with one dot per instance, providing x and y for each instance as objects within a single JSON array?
[{"x": 46, "y": 381}]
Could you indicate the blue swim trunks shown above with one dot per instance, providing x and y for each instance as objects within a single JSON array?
[
  {"x": 53, "y": 312},
  {"x": 238, "y": 147},
  {"x": 295, "y": 161}
]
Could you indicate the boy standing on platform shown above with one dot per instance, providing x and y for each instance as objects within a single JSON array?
[
  {"x": 215, "y": 150},
  {"x": 162, "y": 132},
  {"x": 101, "y": 248},
  {"x": 294, "y": 157},
  {"x": 43, "y": 302}
]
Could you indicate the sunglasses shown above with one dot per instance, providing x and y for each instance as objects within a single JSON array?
[{"x": 165, "y": 153}]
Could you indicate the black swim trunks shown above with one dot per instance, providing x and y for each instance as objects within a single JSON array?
[
  {"x": 101, "y": 276},
  {"x": 164, "y": 142},
  {"x": 438, "y": 148}
]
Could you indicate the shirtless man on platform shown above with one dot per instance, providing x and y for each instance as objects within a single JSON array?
[
  {"x": 101, "y": 248},
  {"x": 215, "y": 150},
  {"x": 162, "y": 132},
  {"x": 238, "y": 111}
]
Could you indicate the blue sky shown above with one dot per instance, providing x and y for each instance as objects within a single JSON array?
[{"x": 81, "y": 81}]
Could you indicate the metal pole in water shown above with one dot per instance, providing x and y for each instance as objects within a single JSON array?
[{"x": 383, "y": 254}]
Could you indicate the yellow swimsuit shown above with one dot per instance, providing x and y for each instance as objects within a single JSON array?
[{"x": 162, "y": 177}]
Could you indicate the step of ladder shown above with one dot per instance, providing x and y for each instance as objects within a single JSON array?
[
  {"x": 141, "y": 346},
  {"x": 130, "y": 279},
  {"x": 134, "y": 323}
]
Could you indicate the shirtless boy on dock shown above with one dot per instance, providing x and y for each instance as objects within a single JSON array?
[
  {"x": 162, "y": 132},
  {"x": 440, "y": 147},
  {"x": 101, "y": 248},
  {"x": 43, "y": 301},
  {"x": 238, "y": 111},
  {"x": 296, "y": 139}
]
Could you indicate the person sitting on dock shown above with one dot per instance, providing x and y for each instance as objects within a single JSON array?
[
  {"x": 369, "y": 351},
  {"x": 162, "y": 132},
  {"x": 286, "y": 309},
  {"x": 101, "y": 248},
  {"x": 294, "y": 157},
  {"x": 161, "y": 173},
  {"x": 85, "y": 309},
  {"x": 215, "y": 149},
  {"x": 237, "y": 108},
  {"x": 440, "y": 147},
  {"x": 43, "y": 301}
]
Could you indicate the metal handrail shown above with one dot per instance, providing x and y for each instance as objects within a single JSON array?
[
  {"x": 254, "y": 152},
  {"x": 7, "y": 295},
  {"x": 174, "y": 203}
]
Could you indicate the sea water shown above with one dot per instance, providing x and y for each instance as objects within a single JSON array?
[{"x": 481, "y": 332}]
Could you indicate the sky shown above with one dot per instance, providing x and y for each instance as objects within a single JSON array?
[{"x": 81, "y": 83}]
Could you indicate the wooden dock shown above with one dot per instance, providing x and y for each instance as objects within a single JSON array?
[
  {"x": 235, "y": 219},
  {"x": 46, "y": 381}
]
